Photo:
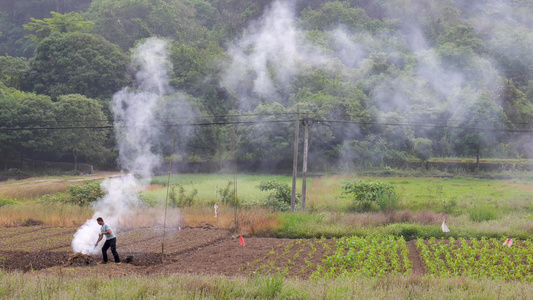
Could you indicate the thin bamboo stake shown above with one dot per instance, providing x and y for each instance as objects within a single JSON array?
[{"x": 166, "y": 200}]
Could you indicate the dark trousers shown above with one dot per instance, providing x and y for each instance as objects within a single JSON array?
[{"x": 112, "y": 243}]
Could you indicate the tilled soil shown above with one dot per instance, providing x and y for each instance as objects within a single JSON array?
[{"x": 189, "y": 251}]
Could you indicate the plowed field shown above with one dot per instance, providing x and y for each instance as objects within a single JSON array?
[
  {"x": 191, "y": 250},
  {"x": 216, "y": 252}
]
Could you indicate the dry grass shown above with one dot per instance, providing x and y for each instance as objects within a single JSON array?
[
  {"x": 256, "y": 222},
  {"x": 153, "y": 187},
  {"x": 424, "y": 217},
  {"x": 34, "y": 189},
  {"x": 54, "y": 214},
  {"x": 322, "y": 192}
]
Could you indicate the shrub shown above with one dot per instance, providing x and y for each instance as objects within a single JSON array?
[
  {"x": 84, "y": 194},
  {"x": 280, "y": 197},
  {"x": 182, "y": 198},
  {"x": 147, "y": 200},
  {"x": 369, "y": 196},
  {"x": 7, "y": 201},
  {"x": 227, "y": 194}
]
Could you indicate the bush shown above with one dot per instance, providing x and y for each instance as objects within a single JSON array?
[
  {"x": 4, "y": 200},
  {"x": 179, "y": 198},
  {"x": 227, "y": 194},
  {"x": 280, "y": 197},
  {"x": 84, "y": 194},
  {"x": 370, "y": 196}
]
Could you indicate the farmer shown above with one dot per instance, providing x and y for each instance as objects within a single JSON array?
[{"x": 110, "y": 240}]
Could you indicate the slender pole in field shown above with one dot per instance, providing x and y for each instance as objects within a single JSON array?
[
  {"x": 295, "y": 159},
  {"x": 166, "y": 201},
  {"x": 235, "y": 204},
  {"x": 304, "y": 168}
]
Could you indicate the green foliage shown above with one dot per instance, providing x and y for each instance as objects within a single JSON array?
[
  {"x": 477, "y": 258},
  {"x": 89, "y": 113},
  {"x": 179, "y": 198},
  {"x": 333, "y": 13},
  {"x": 77, "y": 63},
  {"x": 60, "y": 23},
  {"x": 55, "y": 198},
  {"x": 227, "y": 194},
  {"x": 482, "y": 213},
  {"x": 423, "y": 149},
  {"x": 470, "y": 131},
  {"x": 85, "y": 194},
  {"x": 4, "y": 200},
  {"x": 271, "y": 287},
  {"x": 369, "y": 196},
  {"x": 274, "y": 141},
  {"x": 148, "y": 200},
  {"x": 13, "y": 70},
  {"x": 280, "y": 196}
]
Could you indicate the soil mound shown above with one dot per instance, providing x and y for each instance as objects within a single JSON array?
[
  {"x": 80, "y": 260},
  {"x": 32, "y": 222}
]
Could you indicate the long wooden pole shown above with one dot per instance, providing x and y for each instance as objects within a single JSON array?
[
  {"x": 295, "y": 159},
  {"x": 304, "y": 168},
  {"x": 166, "y": 201}
]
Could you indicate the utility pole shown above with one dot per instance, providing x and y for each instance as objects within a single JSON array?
[
  {"x": 295, "y": 158},
  {"x": 306, "y": 150}
]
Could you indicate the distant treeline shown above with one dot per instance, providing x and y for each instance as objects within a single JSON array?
[{"x": 378, "y": 82}]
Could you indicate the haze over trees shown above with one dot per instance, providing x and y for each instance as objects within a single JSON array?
[{"x": 383, "y": 82}]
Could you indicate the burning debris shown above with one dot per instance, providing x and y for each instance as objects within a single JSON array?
[{"x": 80, "y": 260}]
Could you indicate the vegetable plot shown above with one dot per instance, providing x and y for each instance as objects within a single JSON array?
[
  {"x": 371, "y": 256},
  {"x": 478, "y": 258}
]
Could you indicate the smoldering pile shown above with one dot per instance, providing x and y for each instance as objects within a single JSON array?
[{"x": 80, "y": 260}]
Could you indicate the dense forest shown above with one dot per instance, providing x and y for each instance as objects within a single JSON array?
[{"x": 379, "y": 82}]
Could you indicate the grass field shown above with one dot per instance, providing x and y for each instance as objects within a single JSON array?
[
  {"x": 29, "y": 286},
  {"x": 474, "y": 209}
]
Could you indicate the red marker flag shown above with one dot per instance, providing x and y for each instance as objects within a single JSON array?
[
  {"x": 242, "y": 241},
  {"x": 508, "y": 243}
]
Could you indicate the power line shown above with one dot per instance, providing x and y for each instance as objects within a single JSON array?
[{"x": 255, "y": 122}]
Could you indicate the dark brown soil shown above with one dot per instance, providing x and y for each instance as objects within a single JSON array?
[
  {"x": 80, "y": 260},
  {"x": 418, "y": 267},
  {"x": 191, "y": 250}
]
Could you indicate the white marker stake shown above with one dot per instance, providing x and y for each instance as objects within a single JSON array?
[
  {"x": 216, "y": 210},
  {"x": 444, "y": 227}
]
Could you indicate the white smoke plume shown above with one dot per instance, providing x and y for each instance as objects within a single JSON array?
[
  {"x": 137, "y": 140},
  {"x": 268, "y": 56}
]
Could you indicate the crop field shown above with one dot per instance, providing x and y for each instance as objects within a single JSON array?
[
  {"x": 478, "y": 258},
  {"x": 217, "y": 252}
]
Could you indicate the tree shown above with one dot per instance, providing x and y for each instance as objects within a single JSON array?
[
  {"x": 266, "y": 140},
  {"x": 70, "y": 22},
  {"x": 474, "y": 126},
  {"x": 334, "y": 13},
  {"x": 19, "y": 112},
  {"x": 125, "y": 21},
  {"x": 77, "y": 63},
  {"x": 73, "y": 111},
  {"x": 423, "y": 149},
  {"x": 13, "y": 70},
  {"x": 515, "y": 104}
]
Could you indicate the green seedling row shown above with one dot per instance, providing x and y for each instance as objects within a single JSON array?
[
  {"x": 372, "y": 256},
  {"x": 484, "y": 258}
]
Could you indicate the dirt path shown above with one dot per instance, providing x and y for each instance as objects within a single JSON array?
[{"x": 419, "y": 268}]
